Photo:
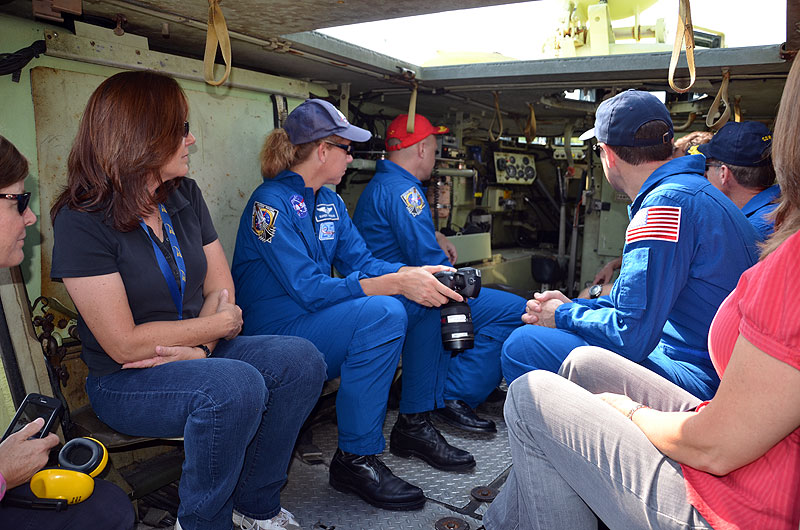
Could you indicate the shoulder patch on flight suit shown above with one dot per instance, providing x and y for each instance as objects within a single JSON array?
[
  {"x": 263, "y": 225},
  {"x": 326, "y": 212},
  {"x": 327, "y": 231},
  {"x": 299, "y": 206},
  {"x": 413, "y": 201},
  {"x": 656, "y": 222}
]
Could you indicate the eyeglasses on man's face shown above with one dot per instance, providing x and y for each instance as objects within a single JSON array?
[
  {"x": 597, "y": 149},
  {"x": 22, "y": 199},
  {"x": 711, "y": 164},
  {"x": 346, "y": 148}
]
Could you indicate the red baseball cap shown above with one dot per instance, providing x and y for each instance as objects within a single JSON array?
[{"x": 422, "y": 129}]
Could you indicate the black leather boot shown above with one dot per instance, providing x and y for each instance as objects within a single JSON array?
[
  {"x": 459, "y": 414},
  {"x": 370, "y": 479},
  {"x": 415, "y": 435}
]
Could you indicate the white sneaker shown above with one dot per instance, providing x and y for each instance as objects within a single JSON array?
[{"x": 283, "y": 521}]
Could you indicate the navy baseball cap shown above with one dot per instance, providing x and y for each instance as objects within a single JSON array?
[
  {"x": 618, "y": 119},
  {"x": 740, "y": 144},
  {"x": 315, "y": 118}
]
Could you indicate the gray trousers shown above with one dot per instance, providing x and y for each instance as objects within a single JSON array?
[{"x": 576, "y": 456}]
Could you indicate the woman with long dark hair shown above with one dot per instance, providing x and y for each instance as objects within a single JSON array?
[{"x": 138, "y": 254}]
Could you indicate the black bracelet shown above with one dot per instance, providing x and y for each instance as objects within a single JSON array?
[{"x": 205, "y": 349}]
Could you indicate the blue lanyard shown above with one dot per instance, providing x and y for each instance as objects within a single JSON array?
[{"x": 174, "y": 290}]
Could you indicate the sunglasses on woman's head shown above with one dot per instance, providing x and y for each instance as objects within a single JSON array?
[{"x": 22, "y": 199}]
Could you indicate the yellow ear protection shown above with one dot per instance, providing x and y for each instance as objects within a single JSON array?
[{"x": 80, "y": 460}]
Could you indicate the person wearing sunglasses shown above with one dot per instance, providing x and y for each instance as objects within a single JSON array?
[
  {"x": 138, "y": 253},
  {"x": 22, "y": 454},
  {"x": 293, "y": 231},
  {"x": 739, "y": 164}
]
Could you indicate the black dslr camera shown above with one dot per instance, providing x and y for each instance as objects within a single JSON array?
[{"x": 457, "y": 331}]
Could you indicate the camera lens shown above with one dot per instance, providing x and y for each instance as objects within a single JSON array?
[{"x": 457, "y": 331}]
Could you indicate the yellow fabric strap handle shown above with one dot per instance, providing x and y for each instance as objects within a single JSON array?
[
  {"x": 722, "y": 97},
  {"x": 684, "y": 32},
  {"x": 412, "y": 111},
  {"x": 217, "y": 35},
  {"x": 530, "y": 127},
  {"x": 498, "y": 117}
]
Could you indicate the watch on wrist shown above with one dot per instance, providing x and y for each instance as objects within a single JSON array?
[
  {"x": 595, "y": 291},
  {"x": 205, "y": 349}
]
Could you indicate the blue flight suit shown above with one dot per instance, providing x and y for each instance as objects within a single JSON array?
[
  {"x": 759, "y": 207},
  {"x": 668, "y": 291},
  {"x": 287, "y": 242},
  {"x": 394, "y": 218}
]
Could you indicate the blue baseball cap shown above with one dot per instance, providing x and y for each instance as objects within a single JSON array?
[
  {"x": 316, "y": 118},
  {"x": 740, "y": 144},
  {"x": 618, "y": 119}
]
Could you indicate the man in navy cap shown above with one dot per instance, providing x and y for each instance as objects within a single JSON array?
[
  {"x": 739, "y": 164},
  {"x": 396, "y": 232},
  {"x": 685, "y": 248}
]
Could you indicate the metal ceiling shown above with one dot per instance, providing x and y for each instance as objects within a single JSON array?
[{"x": 274, "y": 37}]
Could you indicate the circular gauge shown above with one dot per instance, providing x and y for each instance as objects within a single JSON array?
[
  {"x": 511, "y": 171},
  {"x": 529, "y": 172},
  {"x": 501, "y": 164},
  {"x": 512, "y": 160},
  {"x": 525, "y": 161}
]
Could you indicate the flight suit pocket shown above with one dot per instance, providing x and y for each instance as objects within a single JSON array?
[{"x": 632, "y": 290}]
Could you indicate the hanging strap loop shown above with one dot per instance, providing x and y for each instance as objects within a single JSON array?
[
  {"x": 685, "y": 32},
  {"x": 722, "y": 97},
  {"x": 498, "y": 117},
  {"x": 530, "y": 126},
  {"x": 412, "y": 109},
  {"x": 217, "y": 35}
]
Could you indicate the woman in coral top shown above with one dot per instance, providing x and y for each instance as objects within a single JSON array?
[{"x": 658, "y": 457}]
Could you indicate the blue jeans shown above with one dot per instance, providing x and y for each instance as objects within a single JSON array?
[
  {"x": 238, "y": 411},
  {"x": 576, "y": 458}
]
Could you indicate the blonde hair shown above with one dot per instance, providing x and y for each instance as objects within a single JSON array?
[
  {"x": 278, "y": 153},
  {"x": 786, "y": 157}
]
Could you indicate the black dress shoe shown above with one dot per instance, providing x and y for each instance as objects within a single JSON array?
[
  {"x": 459, "y": 414},
  {"x": 370, "y": 479},
  {"x": 415, "y": 435}
]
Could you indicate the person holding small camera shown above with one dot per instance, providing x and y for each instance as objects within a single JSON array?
[
  {"x": 292, "y": 232},
  {"x": 395, "y": 220},
  {"x": 23, "y": 453}
]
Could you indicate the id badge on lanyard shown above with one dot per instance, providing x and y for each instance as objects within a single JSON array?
[{"x": 174, "y": 290}]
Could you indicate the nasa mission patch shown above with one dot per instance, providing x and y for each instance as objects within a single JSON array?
[
  {"x": 413, "y": 201},
  {"x": 263, "y": 225}
]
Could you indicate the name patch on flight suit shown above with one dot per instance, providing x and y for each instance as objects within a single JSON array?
[
  {"x": 299, "y": 206},
  {"x": 326, "y": 212},
  {"x": 327, "y": 231},
  {"x": 662, "y": 223},
  {"x": 413, "y": 201},
  {"x": 263, "y": 225}
]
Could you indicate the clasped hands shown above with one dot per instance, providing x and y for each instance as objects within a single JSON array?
[
  {"x": 541, "y": 310},
  {"x": 230, "y": 321}
]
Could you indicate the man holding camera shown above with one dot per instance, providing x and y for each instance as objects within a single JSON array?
[{"x": 395, "y": 220}]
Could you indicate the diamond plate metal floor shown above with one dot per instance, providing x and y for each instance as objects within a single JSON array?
[{"x": 318, "y": 506}]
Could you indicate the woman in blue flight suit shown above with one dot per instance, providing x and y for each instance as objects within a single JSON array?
[{"x": 292, "y": 231}]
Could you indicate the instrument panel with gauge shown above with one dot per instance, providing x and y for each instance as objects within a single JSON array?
[{"x": 514, "y": 168}]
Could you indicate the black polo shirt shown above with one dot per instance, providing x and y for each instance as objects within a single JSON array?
[{"x": 87, "y": 245}]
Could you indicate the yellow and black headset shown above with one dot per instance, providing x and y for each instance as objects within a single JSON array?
[{"x": 79, "y": 461}]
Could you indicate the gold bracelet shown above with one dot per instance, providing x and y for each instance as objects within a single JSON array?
[{"x": 634, "y": 409}]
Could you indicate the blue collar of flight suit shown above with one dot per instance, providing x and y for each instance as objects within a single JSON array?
[
  {"x": 389, "y": 167},
  {"x": 683, "y": 165},
  {"x": 763, "y": 198}
]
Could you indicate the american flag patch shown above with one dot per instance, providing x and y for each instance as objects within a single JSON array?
[{"x": 656, "y": 222}]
